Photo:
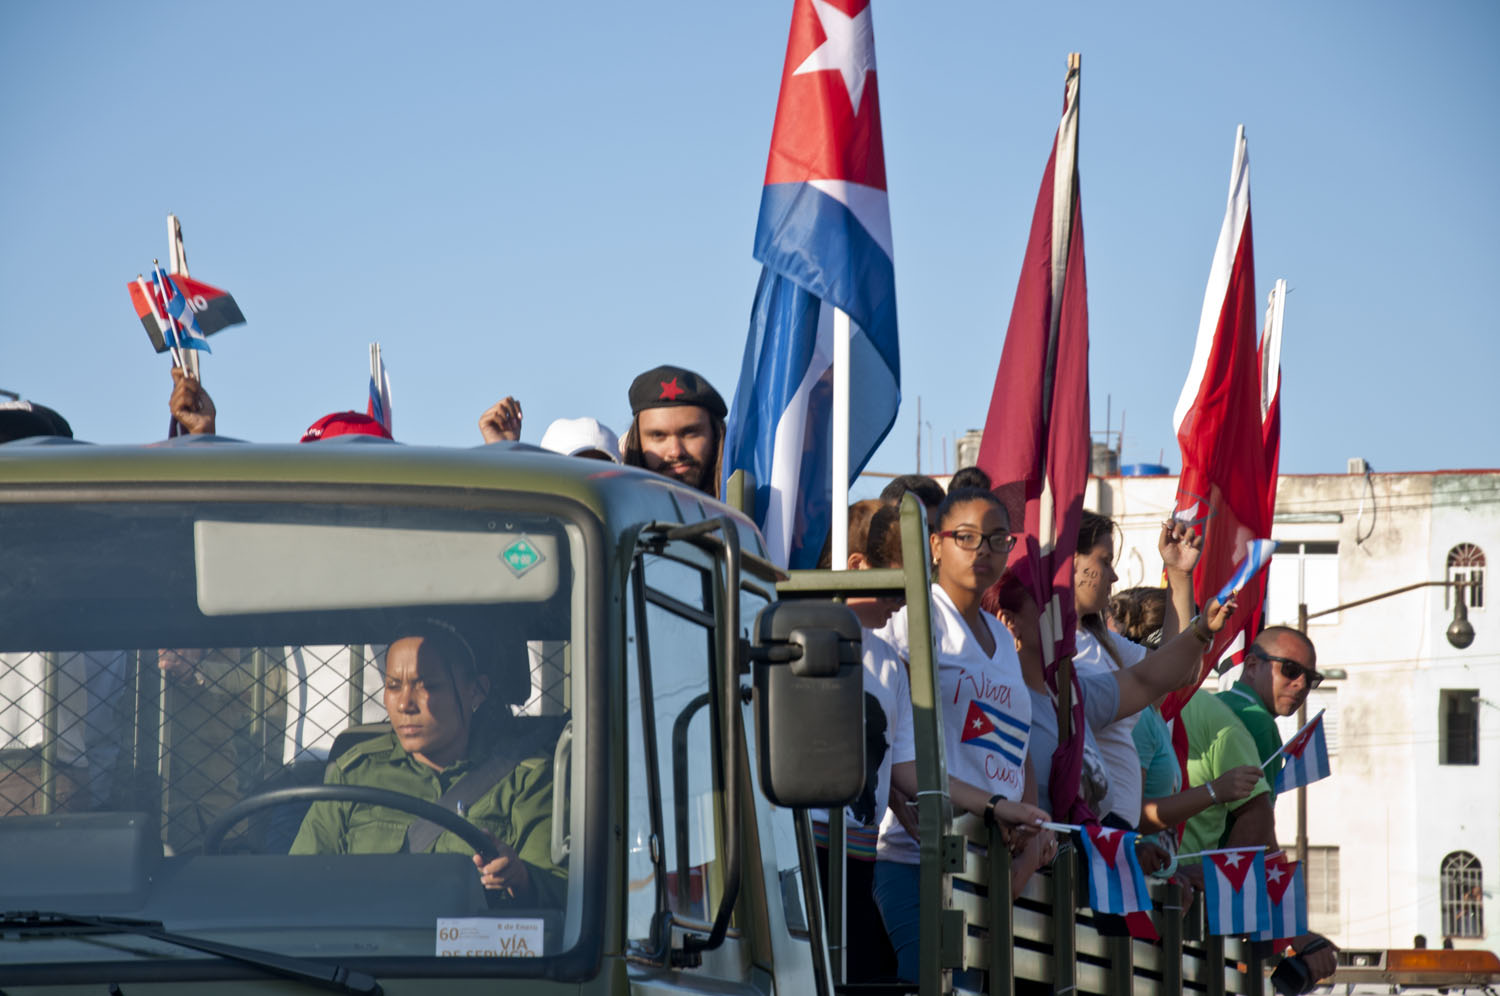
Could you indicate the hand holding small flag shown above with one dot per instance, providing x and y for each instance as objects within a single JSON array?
[{"x": 190, "y": 404}]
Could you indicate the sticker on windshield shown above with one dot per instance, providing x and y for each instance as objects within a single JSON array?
[
  {"x": 521, "y": 556},
  {"x": 485, "y": 937}
]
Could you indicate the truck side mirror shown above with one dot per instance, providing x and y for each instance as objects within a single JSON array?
[{"x": 809, "y": 704}]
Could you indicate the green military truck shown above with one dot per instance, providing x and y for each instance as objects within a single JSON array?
[{"x": 193, "y": 636}]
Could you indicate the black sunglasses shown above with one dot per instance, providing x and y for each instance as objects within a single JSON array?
[{"x": 1292, "y": 670}]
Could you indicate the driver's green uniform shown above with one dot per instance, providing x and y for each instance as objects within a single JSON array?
[{"x": 517, "y": 811}]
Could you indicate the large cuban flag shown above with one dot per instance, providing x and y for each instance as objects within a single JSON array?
[{"x": 824, "y": 237}]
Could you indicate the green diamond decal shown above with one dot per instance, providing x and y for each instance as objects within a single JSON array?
[{"x": 521, "y": 556}]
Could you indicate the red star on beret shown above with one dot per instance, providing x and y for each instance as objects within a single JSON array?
[{"x": 670, "y": 390}]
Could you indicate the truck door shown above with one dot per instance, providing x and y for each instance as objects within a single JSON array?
[{"x": 675, "y": 814}]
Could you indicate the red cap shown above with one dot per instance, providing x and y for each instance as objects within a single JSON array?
[{"x": 344, "y": 424}]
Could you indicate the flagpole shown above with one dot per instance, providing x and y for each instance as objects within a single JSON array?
[
  {"x": 169, "y": 328},
  {"x": 177, "y": 264},
  {"x": 1223, "y": 850},
  {"x": 140, "y": 280},
  {"x": 840, "y": 440}
]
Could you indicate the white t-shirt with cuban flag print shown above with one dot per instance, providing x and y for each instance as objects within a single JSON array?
[{"x": 986, "y": 711}]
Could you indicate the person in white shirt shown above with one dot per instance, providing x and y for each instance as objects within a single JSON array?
[
  {"x": 1100, "y": 651},
  {"x": 986, "y": 714}
]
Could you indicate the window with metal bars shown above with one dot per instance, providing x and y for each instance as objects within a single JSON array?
[
  {"x": 1466, "y": 566},
  {"x": 1461, "y": 881}
]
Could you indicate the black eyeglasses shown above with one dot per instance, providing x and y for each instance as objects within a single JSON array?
[
  {"x": 1292, "y": 670},
  {"x": 967, "y": 540}
]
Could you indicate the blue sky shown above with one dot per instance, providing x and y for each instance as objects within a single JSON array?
[{"x": 545, "y": 199}]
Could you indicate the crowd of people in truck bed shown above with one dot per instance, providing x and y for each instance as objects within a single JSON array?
[{"x": 1133, "y": 649}]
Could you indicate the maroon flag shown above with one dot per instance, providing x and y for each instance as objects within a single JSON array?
[
  {"x": 1223, "y": 487},
  {"x": 1036, "y": 436}
]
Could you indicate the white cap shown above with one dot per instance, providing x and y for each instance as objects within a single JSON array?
[{"x": 572, "y": 436}]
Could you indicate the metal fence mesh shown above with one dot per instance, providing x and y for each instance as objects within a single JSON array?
[{"x": 184, "y": 734}]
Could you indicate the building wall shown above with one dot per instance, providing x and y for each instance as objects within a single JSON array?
[{"x": 1391, "y": 810}]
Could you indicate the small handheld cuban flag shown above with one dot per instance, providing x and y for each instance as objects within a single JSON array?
[
  {"x": 1234, "y": 891},
  {"x": 824, "y": 239},
  {"x": 1287, "y": 894},
  {"x": 1257, "y": 556},
  {"x": 1305, "y": 756},
  {"x": 181, "y": 326},
  {"x": 1116, "y": 882}
]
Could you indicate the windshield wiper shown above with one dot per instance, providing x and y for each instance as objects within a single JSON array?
[{"x": 335, "y": 977}]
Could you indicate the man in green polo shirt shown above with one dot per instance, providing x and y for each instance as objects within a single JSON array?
[
  {"x": 1279, "y": 672},
  {"x": 1217, "y": 742}
]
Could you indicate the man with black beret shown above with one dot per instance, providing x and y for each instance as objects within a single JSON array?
[{"x": 678, "y": 427}]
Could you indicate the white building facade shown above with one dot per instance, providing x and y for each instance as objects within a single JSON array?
[{"x": 1404, "y": 838}]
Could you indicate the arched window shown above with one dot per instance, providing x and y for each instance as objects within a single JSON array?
[
  {"x": 1462, "y": 885},
  {"x": 1466, "y": 564}
]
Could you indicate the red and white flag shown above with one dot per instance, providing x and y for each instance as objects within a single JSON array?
[
  {"x": 1223, "y": 486},
  {"x": 1036, "y": 435}
]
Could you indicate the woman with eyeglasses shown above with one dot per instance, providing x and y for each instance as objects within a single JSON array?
[{"x": 986, "y": 714}]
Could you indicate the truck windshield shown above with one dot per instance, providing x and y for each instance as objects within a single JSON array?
[{"x": 197, "y": 700}]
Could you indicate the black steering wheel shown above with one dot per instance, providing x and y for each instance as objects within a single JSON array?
[{"x": 476, "y": 838}]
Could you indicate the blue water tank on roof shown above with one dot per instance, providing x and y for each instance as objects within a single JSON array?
[{"x": 1143, "y": 470}]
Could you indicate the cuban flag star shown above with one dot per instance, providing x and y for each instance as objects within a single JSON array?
[
  {"x": 1306, "y": 757},
  {"x": 1234, "y": 892},
  {"x": 1288, "y": 898},
  {"x": 1116, "y": 882},
  {"x": 824, "y": 239}
]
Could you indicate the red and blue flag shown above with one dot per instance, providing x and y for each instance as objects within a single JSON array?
[
  {"x": 1117, "y": 884},
  {"x": 824, "y": 238},
  {"x": 1287, "y": 894},
  {"x": 212, "y": 309},
  {"x": 183, "y": 320},
  {"x": 1304, "y": 757},
  {"x": 1234, "y": 892}
]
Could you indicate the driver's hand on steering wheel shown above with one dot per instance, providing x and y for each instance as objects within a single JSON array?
[{"x": 506, "y": 872}]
